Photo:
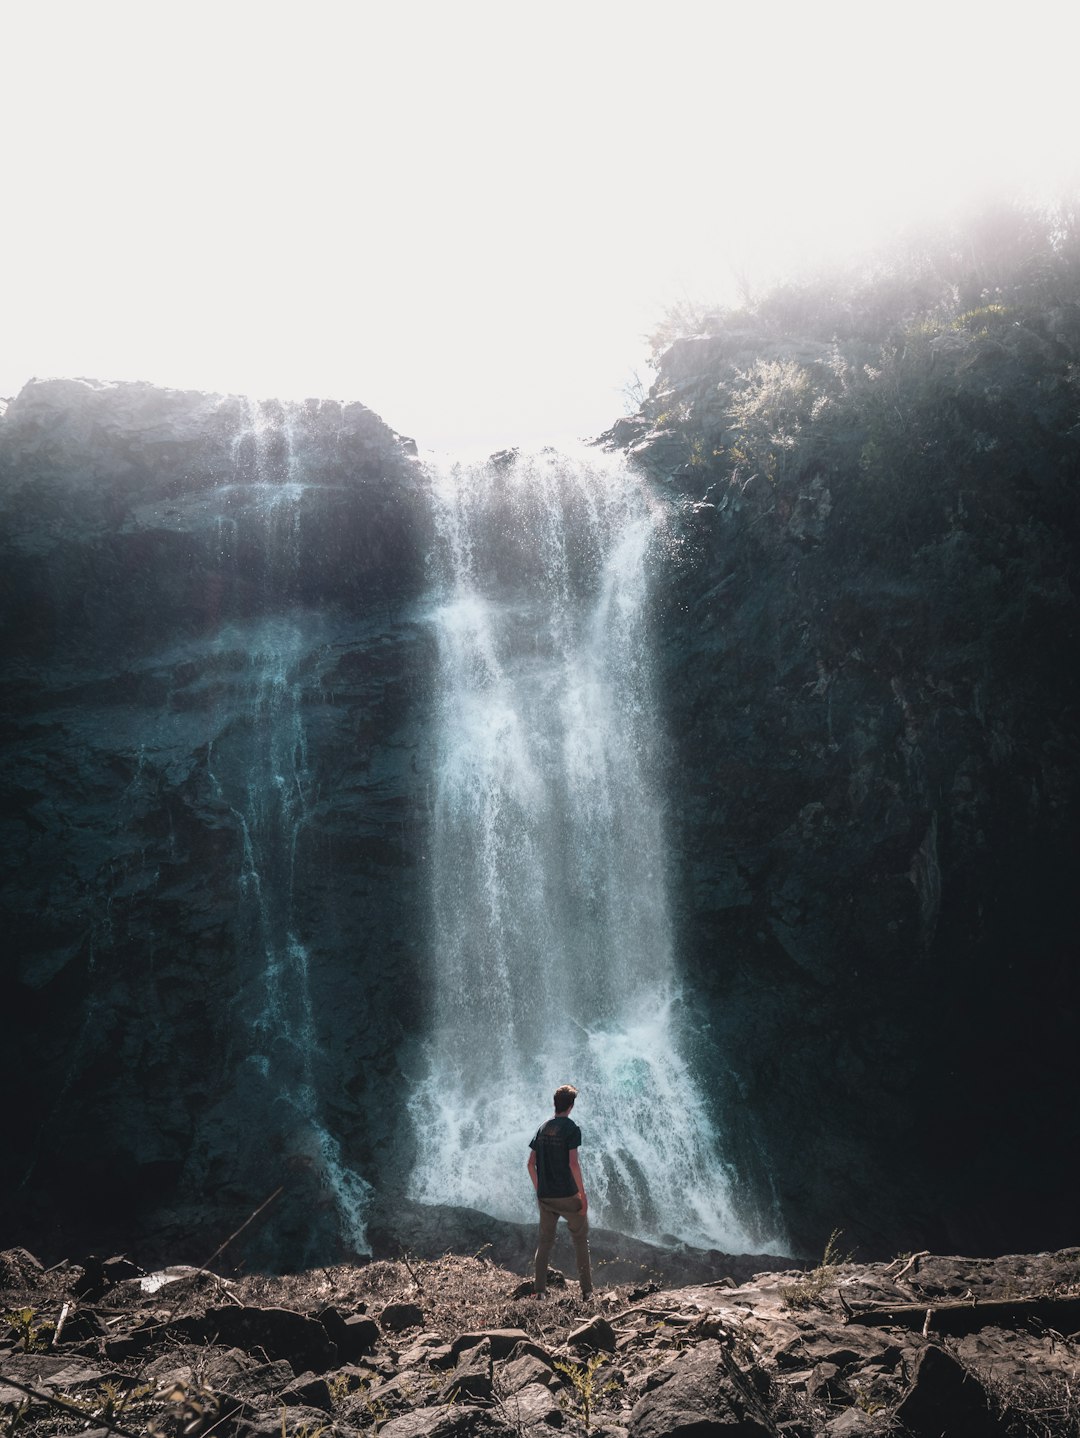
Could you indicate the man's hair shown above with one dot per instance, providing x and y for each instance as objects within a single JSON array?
[{"x": 565, "y": 1095}]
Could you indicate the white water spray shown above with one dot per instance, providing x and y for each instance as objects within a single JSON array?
[
  {"x": 550, "y": 935},
  {"x": 267, "y": 784}
]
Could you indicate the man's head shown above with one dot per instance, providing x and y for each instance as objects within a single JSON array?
[{"x": 564, "y": 1098}]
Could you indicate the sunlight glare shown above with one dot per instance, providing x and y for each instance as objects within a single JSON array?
[{"x": 468, "y": 216}]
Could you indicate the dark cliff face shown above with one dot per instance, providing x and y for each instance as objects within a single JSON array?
[
  {"x": 210, "y": 817},
  {"x": 868, "y": 627},
  {"x": 216, "y": 690}
]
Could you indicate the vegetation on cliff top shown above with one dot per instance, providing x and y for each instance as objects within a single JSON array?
[{"x": 944, "y": 380}]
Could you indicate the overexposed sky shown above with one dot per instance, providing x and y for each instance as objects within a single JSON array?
[{"x": 466, "y": 213}]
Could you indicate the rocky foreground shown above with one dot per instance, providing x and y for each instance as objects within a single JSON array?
[{"x": 934, "y": 1346}]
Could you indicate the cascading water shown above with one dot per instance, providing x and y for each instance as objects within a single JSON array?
[
  {"x": 550, "y": 935},
  {"x": 264, "y": 780}
]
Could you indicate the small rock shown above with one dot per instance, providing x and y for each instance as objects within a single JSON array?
[
  {"x": 359, "y": 1336},
  {"x": 472, "y": 1378},
  {"x": 119, "y": 1268},
  {"x": 518, "y": 1373},
  {"x": 852, "y": 1424},
  {"x": 307, "y": 1389},
  {"x": 282, "y": 1423},
  {"x": 333, "y": 1320},
  {"x": 456, "y": 1421},
  {"x": 396, "y": 1317},
  {"x": 19, "y": 1268},
  {"x": 597, "y": 1335},
  {"x": 502, "y": 1341},
  {"x": 255, "y": 1383},
  {"x": 825, "y": 1386},
  {"x": 530, "y": 1405}
]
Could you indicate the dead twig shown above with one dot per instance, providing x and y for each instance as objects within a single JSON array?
[
  {"x": 912, "y": 1261},
  {"x": 412, "y": 1271},
  {"x": 223, "y": 1246},
  {"x": 60, "y": 1324},
  {"x": 251, "y": 1219}
]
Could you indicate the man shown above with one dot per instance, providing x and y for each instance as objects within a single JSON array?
[{"x": 560, "y": 1192}]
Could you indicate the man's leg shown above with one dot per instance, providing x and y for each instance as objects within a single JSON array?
[
  {"x": 578, "y": 1224},
  {"x": 548, "y": 1223}
]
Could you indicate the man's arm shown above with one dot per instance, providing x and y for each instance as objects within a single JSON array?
[
  {"x": 575, "y": 1169},
  {"x": 532, "y": 1166}
]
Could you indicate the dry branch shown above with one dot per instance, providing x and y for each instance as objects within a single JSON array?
[{"x": 964, "y": 1316}]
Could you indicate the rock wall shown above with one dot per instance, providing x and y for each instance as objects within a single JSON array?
[
  {"x": 216, "y": 703},
  {"x": 866, "y": 622},
  {"x": 210, "y": 812}
]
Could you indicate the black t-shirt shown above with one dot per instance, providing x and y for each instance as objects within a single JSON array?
[{"x": 552, "y": 1146}]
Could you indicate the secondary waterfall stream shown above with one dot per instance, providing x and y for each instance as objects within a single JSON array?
[
  {"x": 261, "y": 774},
  {"x": 551, "y": 944}
]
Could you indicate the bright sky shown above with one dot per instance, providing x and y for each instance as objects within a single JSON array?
[{"x": 467, "y": 213}]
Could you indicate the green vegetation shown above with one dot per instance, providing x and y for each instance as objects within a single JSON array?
[
  {"x": 32, "y": 1335},
  {"x": 584, "y": 1382},
  {"x": 811, "y": 1288},
  {"x": 941, "y": 383}
]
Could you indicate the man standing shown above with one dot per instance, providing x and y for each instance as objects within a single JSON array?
[{"x": 560, "y": 1192}]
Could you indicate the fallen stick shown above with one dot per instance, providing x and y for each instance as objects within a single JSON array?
[
  {"x": 907, "y": 1262},
  {"x": 60, "y": 1325},
  {"x": 912, "y": 1261},
  {"x": 67, "y": 1407},
  {"x": 967, "y": 1316}
]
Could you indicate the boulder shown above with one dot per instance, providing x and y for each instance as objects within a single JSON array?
[
  {"x": 699, "y": 1400},
  {"x": 945, "y": 1400},
  {"x": 279, "y": 1332},
  {"x": 396, "y": 1317},
  {"x": 501, "y": 1341}
]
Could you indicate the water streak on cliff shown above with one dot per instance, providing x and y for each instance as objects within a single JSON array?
[
  {"x": 550, "y": 935},
  {"x": 264, "y": 779}
]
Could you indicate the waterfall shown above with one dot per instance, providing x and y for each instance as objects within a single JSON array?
[
  {"x": 260, "y": 772},
  {"x": 551, "y": 942}
]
